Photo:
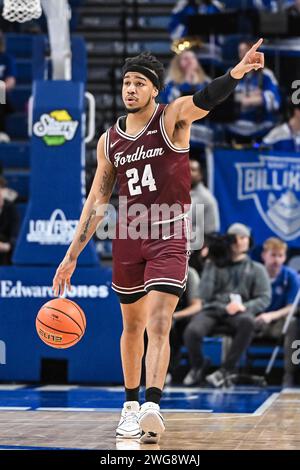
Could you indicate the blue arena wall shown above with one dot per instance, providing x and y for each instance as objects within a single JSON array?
[{"x": 95, "y": 359}]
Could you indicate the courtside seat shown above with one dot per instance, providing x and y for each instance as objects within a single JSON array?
[{"x": 260, "y": 351}]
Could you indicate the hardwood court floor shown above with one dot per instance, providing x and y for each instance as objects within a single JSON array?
[{"x": 275, "y": 425}]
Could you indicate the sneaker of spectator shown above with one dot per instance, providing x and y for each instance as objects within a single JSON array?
[
  {"x": 219, "y": 378},
  {"x": 193, "y": 377}
]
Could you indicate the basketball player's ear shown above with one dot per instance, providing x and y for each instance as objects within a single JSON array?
[{"x": 155, "y": 92}]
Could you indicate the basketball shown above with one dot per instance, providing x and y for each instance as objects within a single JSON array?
[{"x": 60, "y": 323}]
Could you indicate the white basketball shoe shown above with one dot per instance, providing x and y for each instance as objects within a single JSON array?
[
  {"x": 151, "y": 423},
  {"x": 128, "y": 427}
]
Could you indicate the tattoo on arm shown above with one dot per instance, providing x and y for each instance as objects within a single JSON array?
[
  {"x": 107, "y": 183},
  {"x": 86, "y": 226},
  {"x": 105, "y": 189}
]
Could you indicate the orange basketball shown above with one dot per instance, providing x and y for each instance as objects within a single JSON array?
[{"x": 60, "y": 323}]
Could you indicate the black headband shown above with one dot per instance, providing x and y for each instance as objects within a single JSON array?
[{"x": 153, "y": 77}]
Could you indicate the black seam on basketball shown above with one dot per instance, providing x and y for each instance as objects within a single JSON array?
[
  {"x": 79, "y": 310},
  {"x": 57, "y": 310},
  {"x": 60, "y": 331}
]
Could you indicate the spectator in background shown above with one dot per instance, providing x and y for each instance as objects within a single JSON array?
[
  {"x": 286, "y": 136},
  {"x": 9, "y": 226},
  {"x": 201, "y": 196},
  {"x": 294, "y": 9},
  {"x": 186, "y": 77},
  {"x": 285, "y": 284},
  {"x": 257, "y": 101},
  {"x": 188, "y": 305},
  {"x": 231, "y": 295},
  {"x": 204, "y": 210},
  {"x": 184, "y": 8},
  {"x": 8, "y": 76}
]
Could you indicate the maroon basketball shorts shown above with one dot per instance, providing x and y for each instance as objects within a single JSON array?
[{"x": 157, "y": 263}]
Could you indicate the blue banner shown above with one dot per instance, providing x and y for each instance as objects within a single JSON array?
[
  {"x": 57, "y": 183},
  {"x": 259, "y": 189}
]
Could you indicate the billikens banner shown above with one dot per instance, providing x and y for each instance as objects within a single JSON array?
[
  {"x": 57, "y": 184},
  {"x": 261, "y": 190}
]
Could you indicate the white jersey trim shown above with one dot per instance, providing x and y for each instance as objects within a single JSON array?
[
  {"x": 122, "y": 290},
  {"x": 127, "y": 288},
  {"x": 161, "y": 280},
  {"x": 181, "y": 286},
  {"x": 135, "y": 137},
  {"x": 106, "y": 146}
]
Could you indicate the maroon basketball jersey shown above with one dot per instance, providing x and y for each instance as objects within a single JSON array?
[{"x": 150, "y": 169}]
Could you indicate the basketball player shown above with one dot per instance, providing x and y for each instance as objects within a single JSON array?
[{"x": 147, "y": 152}]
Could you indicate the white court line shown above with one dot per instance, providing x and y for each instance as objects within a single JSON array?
[
  {"x": 14, "y": 408},
  {"x": 188, "y": 390},
  {"x": 185, "y": 411},
  {"x": 117, "y": 410},
  {"x": 117, "y": 388},
  {"x": 12, "y": 387},
  {"x": 291, "y": 390},
  {"x": 65, "y": 409},
  {"x": 56, "y": 388},
  {"x": 210, "y": 390},
  {"x": 266, "y": 404},
  {"x": 295, "y": 400},
  {"x": 189, "y": 397}
]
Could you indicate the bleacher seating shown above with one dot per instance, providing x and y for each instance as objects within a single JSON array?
[
  {"x": 15, "y": 155},
  {"x": 24, "y": 70},
  {"x": 16, "y": 126},
  {"x": 21, "y": 47},
  {"x": 19, "y": 181}
]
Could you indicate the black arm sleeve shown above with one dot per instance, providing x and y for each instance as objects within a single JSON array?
[{"x": 216, "y": 92}]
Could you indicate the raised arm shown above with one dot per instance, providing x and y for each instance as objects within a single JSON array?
[
  {"x": 183, "y": 111},
  {"x": 92, "y": 214}
]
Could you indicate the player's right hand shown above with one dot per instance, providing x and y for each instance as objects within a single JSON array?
[{"x": 62, "y": 278}]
